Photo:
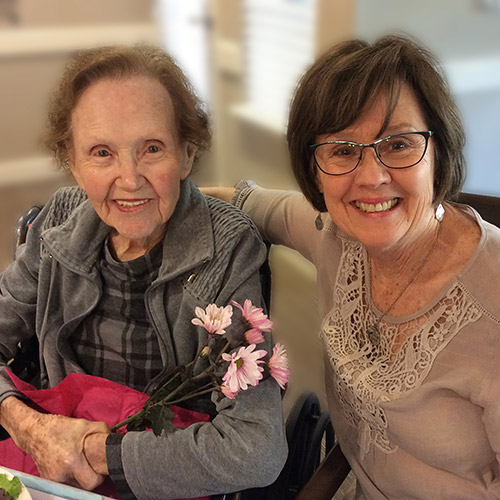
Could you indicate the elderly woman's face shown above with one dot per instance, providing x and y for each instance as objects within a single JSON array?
[
  {"x": 126, "y": 155},
  {"x": 381, "y": 207}
]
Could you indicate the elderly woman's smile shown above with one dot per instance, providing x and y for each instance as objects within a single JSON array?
[
  {"x": 130, "y": 205},
  {"x": 126, "y": 155}
]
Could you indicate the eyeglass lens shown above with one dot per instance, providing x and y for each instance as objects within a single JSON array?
[{"x": 397, "y": 151}]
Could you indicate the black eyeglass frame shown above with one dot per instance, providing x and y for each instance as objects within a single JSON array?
[{"x": 424, "y": 133}]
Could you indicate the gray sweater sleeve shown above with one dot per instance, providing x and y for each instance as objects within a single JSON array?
[{"x": 244, "y": 446}]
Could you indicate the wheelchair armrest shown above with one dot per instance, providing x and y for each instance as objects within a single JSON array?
[{"x": 328, "y": 477}]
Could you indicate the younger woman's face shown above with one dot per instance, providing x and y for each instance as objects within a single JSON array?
[{"x": 383, "y": 208}]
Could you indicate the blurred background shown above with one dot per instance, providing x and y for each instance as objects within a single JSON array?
[{"x": 244, "y": 58}]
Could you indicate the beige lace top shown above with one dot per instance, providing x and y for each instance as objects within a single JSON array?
[{"x": 417, "y": 412}]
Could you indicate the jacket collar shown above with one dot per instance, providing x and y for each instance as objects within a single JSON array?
[{"x": 188, "y": 242}]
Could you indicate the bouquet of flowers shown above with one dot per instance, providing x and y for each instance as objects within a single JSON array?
[{"x": 227, "y": 363}]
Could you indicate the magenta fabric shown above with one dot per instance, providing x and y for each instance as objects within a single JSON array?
[{"x": 92, "y": 398}]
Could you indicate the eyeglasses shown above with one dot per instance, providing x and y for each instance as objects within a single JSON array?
[{"x": 394, "y": 151}]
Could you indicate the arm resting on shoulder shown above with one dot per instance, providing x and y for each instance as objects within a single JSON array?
[{"x": 283, "y": 217}]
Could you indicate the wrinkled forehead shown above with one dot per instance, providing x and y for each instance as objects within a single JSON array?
[{"x": 110, "y": 97}]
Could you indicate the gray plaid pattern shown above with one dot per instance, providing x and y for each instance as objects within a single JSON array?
[{"x": 116, "y": 341}]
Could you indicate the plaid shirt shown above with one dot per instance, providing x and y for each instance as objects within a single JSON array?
[{"x": 116, "y": 341}]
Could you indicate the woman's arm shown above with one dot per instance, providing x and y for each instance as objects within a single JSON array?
[
  {"x": 54, "y": 442},
  {"x": 282, "y": 217},
  {"x": 244, "y": 446}
]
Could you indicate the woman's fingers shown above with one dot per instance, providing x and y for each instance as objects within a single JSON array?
[
  {"x": 86, "y": 477},
  {"x": 94, "y": 449}
]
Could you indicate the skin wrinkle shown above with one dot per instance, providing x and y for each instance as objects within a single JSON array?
[
  {"x": 34, "y": 432},
  {"x": 123, "y": 148}
]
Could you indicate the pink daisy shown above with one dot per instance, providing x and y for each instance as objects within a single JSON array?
[
  {"x": 227, "y": 392},
  {"x": 278, "y": 365},
  {"x": 244, "y": 369},
  {"x": 214, "y": 319},
  {"x": 256, "y": 319},
  {"x": 254, "y": 336}
]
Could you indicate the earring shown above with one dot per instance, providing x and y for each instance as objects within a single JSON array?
[
  {"x": 319, "y": 222},
  {"x": 439, "y": 213}
]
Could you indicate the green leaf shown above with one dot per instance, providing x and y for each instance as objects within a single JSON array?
[
  {"x": 160, "y": 418},
  {"x": 11, "y": 486}
]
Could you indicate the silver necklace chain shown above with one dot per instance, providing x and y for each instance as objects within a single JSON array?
[{"x": 374, "y": 331}]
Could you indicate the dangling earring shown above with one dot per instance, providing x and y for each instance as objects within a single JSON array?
[
  {"x": 439, "y": 213},
  {"x": 319, "y": 222}
]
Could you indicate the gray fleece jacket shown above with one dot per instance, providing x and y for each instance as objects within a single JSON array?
[{"x": 211, "y": 253}]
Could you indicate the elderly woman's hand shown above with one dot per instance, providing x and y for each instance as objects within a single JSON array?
[{"x": 54, "y": 442}]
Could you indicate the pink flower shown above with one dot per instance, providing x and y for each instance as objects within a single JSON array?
[
  {"x": 254, "y": 336},
  {"x": 243, "y": 370},
  {"x": 256, "y": 319},
  {"x": 214, "y": 319},
  {"x": 227, "y": 392},
  {"x": 278, "y": 365}
]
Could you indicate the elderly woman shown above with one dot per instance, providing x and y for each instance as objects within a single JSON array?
[
  {"x": 408, "y": 280},
  {"x": 110, "y": 277}
]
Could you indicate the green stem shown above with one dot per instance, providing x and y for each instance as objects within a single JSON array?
[
  {"x": 169, "y": 399},
  {"x": 159, "y": 389},
  {"x": 139, "y": 414},
  {"x": 128, "y": 420},
  {"x": 191, "y": 396},
  {"x": 223, "y": 350}
]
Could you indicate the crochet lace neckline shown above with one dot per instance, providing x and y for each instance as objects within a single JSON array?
[{"x": 370, "y": 375}]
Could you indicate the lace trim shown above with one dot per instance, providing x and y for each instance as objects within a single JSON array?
[{"x": 368, "y": 375}]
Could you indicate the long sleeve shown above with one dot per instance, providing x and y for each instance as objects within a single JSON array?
[
  {"x": 18, "y": 301},
  {"x": 244, "y": 446},
  {"x": 282, "y": 217}
]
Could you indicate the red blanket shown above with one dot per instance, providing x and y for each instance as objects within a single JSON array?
[{"x": 92, "y": 398}]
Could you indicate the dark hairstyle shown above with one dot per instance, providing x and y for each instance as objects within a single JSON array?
[
  {"x": 88, "y": 66},
  {"x": 336, "y": 90}
]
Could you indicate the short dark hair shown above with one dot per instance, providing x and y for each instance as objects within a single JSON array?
[
  {"x": 336, "y": 90},
  {"x": 89, "y": 66}
]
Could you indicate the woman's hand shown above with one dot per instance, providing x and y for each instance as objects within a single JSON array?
[
  {"x": 221, "y": 192},
  {"x": 54, "y": 442}
]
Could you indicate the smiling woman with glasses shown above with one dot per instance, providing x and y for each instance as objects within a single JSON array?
[{"x": 408, "y": 280}]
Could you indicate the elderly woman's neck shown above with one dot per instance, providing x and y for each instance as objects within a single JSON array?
[{"x": 125, "y": 249}]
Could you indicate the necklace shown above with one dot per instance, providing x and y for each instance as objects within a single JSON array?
[{"x": 374, "y": 331}]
